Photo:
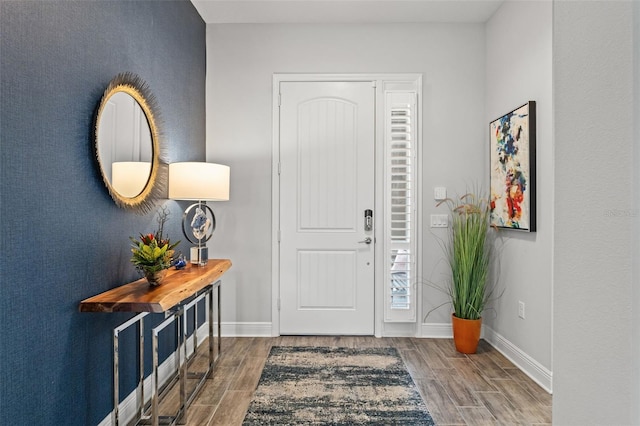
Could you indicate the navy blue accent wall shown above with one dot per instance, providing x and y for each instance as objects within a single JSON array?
[{"x": 63, "y": 238}]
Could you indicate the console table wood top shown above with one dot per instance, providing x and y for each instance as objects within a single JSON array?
[{"x": 139, "y": 296}]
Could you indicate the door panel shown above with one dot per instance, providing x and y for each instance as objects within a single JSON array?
[
  {"x": 326, "y": 183},
  {"x": 326, "y": 279},
  {"x": 327, "y": 165}
]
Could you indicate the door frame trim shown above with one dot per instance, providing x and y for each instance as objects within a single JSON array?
[{"x": 378, "y": 79}]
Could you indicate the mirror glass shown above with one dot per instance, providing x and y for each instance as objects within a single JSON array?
[
  {"x": 124, "y": 138},
  {"x": 126, "y": 143}
]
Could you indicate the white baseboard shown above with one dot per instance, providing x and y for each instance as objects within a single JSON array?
[
  {"x": 436, "y": 331},
  {"x": 532, "y": 368},
  {"x": 246, "y": 329}
]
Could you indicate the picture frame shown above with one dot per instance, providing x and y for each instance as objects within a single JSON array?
[{"x": 512, "y": 144}]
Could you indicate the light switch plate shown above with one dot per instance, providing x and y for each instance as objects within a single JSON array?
[
  {"x": 439, "y": 221},
  {"x": 439, "y": 193}
]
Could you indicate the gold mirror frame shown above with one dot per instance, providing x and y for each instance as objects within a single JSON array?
[{"x": 138, "y": 89}]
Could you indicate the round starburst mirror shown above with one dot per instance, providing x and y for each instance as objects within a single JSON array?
[{"x": 127, "y": 143}]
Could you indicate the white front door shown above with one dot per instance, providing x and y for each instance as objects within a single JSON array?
[{"x": 327, "y": 142}]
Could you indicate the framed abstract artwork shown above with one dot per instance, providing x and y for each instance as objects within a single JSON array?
[{"x": 513, "y": 169}]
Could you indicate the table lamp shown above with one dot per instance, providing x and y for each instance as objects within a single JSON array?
[{"x": 199, "y": 182}]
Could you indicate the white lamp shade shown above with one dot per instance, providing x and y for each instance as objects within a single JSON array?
[
  {"x": 129, "y": 178},
  {"x": 199, "y": 181}
]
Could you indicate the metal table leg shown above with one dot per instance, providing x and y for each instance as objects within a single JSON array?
[
  {"x": 181, "y": 373},
  {"x": 116, "y": 368},
  {"x": 176, "y": 315}
]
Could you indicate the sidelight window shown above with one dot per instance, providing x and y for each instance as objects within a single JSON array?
[{"x": 400, "y": 185}]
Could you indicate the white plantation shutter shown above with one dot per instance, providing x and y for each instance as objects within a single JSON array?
[{"x": 400, "y": 191}]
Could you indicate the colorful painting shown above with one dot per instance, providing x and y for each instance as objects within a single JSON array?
[{"x": 513, "y": 195}]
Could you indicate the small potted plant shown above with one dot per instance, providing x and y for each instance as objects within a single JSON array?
[
  {"x": 153, "y": 254},
  {"x": 469, "y": 255}
]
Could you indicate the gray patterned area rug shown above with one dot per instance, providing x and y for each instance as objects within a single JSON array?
[{"x": 336, "y": 386}]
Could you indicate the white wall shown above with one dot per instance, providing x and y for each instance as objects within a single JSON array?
[
  {"x": 591, "y": 168},
  {"x": 636, "y": 251},
  {"x": 518, "y": 69},
  {"x": 241, "y": 60},
  {"x": 593, "y": 135}
]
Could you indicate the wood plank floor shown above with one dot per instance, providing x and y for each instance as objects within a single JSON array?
[{"x": 480, "y": 389}]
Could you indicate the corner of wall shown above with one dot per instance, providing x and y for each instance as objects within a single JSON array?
[
  {"x": 525, "y": 270},
  {"x": 532, "y": 368}
]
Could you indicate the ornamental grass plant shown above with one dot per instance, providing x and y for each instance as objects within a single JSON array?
[{"x": 469, "y": 254}]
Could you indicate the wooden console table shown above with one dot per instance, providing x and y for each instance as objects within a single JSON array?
[{"x": 180, "y": 292}]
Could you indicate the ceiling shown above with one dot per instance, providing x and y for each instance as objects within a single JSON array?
[{"x": 345, "y": 11}]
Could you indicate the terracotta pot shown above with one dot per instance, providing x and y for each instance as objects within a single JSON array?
[
  {"x": 466, "y": 334},
  {"x": 155, "y": 278}
]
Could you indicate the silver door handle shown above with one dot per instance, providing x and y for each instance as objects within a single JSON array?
[{"x": 366, "y": 241}]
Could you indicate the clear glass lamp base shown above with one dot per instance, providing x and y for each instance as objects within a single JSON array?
[{"x": 199, "y": 255}]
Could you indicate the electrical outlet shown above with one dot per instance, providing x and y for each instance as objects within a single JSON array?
[{"x": 521, "y": 309}]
